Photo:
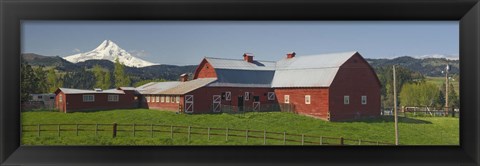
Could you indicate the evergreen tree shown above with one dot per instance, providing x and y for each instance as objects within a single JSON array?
[
  {"x": 27, "y": 80},
  {"x": 453, "y": 100},
  {"x": 121, "y": 79},
  {"x": 102, "y": 78},
  {"x": 40, "y": 80}
]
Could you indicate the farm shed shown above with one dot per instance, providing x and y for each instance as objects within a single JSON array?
[
  {"x": 337, "y": 86},
  {"x": 72, "y": 100}
]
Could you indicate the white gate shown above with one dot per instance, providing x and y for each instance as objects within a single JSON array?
[
  {"x": 189, "y": 103},
  {"x": 217, "y": 99},
  {"x": 256, "y": 106}
]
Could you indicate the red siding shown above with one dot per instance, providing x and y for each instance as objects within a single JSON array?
[
  {"x": 170, "y": 106},
  {"x": 205, "y": 70},
  {"x": 203, "y": 97},
  {"x": 60, "y": 105},
  {"x": 74, "y": 102},
  {"x": 318, "y": 106},
  {"x": 355, "y": 78}
]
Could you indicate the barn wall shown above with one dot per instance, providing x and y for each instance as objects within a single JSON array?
[
  {"x": 60, "y": 105},
  {"x": 74, "y": 102},
  {"x": 318, "y": 106},
  {"x": 205, "y": 70},
  {"x": 162, "y": 105},
  {"x": 354, "y": 78},
  {"x": 203, "y": 97}
]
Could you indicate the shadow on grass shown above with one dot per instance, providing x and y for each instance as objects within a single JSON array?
[{"x": 384, "y": 119}]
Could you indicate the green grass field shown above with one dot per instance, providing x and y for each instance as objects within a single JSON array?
[
  {"x": 413, "y": 131},
  {"x": 440, "y": 80}
]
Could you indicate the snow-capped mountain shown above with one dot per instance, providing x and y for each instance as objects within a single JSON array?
[
  {"x": 449, "y": 57},
  {"x": 108, "y": 50}
]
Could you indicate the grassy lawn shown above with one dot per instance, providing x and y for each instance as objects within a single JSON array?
[
  {"x": 440, "y": 80},
  {"x": 413, "y": 131}
]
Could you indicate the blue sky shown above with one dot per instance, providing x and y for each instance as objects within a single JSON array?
[{"x": 187, "y": 42}]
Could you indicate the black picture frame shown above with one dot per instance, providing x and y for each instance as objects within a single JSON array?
[{"x": 467, "y": 12}]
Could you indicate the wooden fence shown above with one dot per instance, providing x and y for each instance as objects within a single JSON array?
[
  {"x": 423, "y": 111},
  {"x": 151, "y": 130}
]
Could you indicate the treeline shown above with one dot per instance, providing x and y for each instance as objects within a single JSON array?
[
  {"x": 40, "y": 79},
  {"x": 413, "y": 89}
]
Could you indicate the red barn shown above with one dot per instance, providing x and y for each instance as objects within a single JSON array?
[
  {"x": 334, "y": 87},
  {"x": 72, "y": 100},
  {"x": 338, "y": 86}
]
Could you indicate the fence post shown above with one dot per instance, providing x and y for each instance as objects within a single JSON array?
[
  {"x": 58, "y": 130},
  {"x": 378, "y": 143},
  {"x": 151, "y": 130},
  {"x": 321, "y": 140},
  {"x": 303, "y": 139},
  {"x": 171, "y": 131},
  {"x": 114, "y": 130},
  {"x": 76, "y": 129},
  {"x": 264, "y": 136},
  {"x": 226, "y": 135},
  {"x": 359, "y": 142},
  {"x": 189, "y": 130},
  {"x": 284, "y": 137},
  {"x": 208, "y": 133},
  {"x": 96, "y": 129},
  {"x": 341, "y": 141},
  {"x": 246, "y": 135},
  {"x": 38, "y": 129},
  {"x": 134, "y": 130}
]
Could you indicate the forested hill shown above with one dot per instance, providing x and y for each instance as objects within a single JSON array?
[{"x": 427, "y": 66}]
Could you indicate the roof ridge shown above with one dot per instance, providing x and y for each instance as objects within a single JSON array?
[{"x": 238, "y": 59}]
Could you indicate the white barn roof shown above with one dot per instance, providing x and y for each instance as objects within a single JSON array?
[
  {"x": 187, "y": 86},
  {"x": 82, "y": 91},
  {"x": 309, "y": 71},
  {"x": 156, "y": 87}
]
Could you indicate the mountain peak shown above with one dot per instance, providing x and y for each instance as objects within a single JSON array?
[{"x": 108, "y": 50}]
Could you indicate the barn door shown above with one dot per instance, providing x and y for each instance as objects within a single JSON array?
[
  {"x": 217, "y": 99},
  {"x": 188, "y": 103},
  {"x": 256, "y": 106}
]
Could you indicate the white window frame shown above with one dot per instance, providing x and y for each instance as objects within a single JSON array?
[
  {"x": 346, "y": 99},
  {"x": 60, "y": 98},
  {"x": 228, "y": 96},
  {"x": 157, "y": 98},
  {"x": 308, "y": 99},
  {"x": 162, "y": 99},
  {"x": 113, "y": 98},
  {"x": 88, "y": 100},
  {"x": 168, "y": 99},
  {"x": 173, "y": 99},
  {"x": 286, "y": 99},
  {"x": 271, "y": 95},
  {"x": 177, "y": 99},
  {"x": 148, "y": 98},
  {"x": 247, "y": 96},
  {"x": 364, "y": 100}
]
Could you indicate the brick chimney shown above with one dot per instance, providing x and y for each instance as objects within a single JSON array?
[
  {"x": 184, "y": 77},
  {"x": 248, "y": 57},
  {"x": 290, "y": 55}
]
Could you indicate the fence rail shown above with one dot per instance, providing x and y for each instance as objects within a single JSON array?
[{"x": 172, "y": 130}]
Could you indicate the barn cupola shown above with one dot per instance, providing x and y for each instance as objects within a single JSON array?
[
  {"x": 248, "y": 57},
  {"x": 184, "y": 77},
  {"x": 290, "y": 55}
]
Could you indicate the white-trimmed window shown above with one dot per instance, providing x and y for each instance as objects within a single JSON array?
[
  {"x": 271, "y": 95},
  {"x": 247, "y": 95},
  {"x": 228, "y": 96},
  {"x": 113, "y": 98},
  {"x": 178, "y": 99},
  {"x": 307, "y": 99},
  {"x": 88, "y": 98},
  {"x": 286, "y": 98},
  {"x": 168, "y": 99},
  {"x": 174, "y": 99},
  {"x": 364, "y": 100},
  {"x": 148, "y": 99},
  {"x": 346, "y": 99},
  {"x": 60, "y": 98},
  {"x": 157, "y": 99},
  {"x": 162, "y": 99}
]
